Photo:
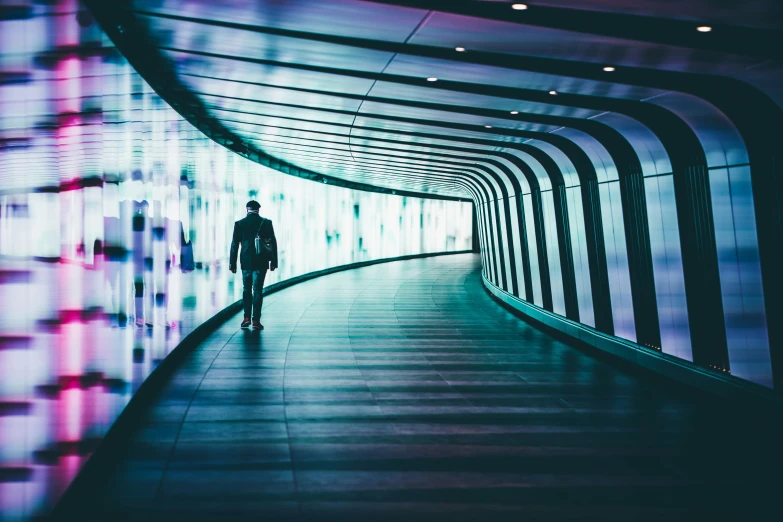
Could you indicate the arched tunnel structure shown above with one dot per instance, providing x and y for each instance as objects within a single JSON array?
[
  {"x": 609, "y": 171},
  {"x": 620, "y": 170}
]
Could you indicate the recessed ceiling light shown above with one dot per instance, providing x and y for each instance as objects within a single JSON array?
[
  {"x": 704, "y": 28},
  {"x": 488, "y": 126},
  {"x": 432, "y": 79},
  {"x": 514, "y": 112},
  {"x": 459, "y": 49},
  {"x": 553, "y": 93},
  {"x": 608, "y": 68},
  {"x": 519, "y": 7}
]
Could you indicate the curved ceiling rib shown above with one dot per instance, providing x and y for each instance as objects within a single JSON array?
[
  {"x": 137, "y": 44},
  {"x": 655, "y": 26},
  {"x": 130, "y": 22}
]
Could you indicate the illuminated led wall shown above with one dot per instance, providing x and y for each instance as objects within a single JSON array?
[{"x": 101, "y": 185}]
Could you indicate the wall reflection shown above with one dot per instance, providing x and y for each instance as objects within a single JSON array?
[{"x": 101, "y": 186}]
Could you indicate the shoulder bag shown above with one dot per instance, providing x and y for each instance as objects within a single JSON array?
[{"x": 263, "y": 244}]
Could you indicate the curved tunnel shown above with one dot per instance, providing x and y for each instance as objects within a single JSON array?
[
  {"x": 620, "y": 176},
  {"x": 620, "y": 162}
]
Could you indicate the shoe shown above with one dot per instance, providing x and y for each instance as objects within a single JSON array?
[
  {"x": 245, "y": 323},
  {"x": 257, "y": 324}
]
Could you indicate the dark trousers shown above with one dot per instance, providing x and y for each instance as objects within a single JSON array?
[{"x": 253, "y": 284}]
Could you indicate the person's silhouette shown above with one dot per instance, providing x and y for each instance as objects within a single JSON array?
[{"x": 257, "y": 256}]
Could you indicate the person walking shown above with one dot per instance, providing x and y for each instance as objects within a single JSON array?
[{"x": 256, "y": 236}]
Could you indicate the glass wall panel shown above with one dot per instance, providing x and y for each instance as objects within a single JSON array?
[
  {"x": 518, "y": 251},
  {"x": 507, "y": 252},
  {"x": 535, "y": 274},
  {"x": 483, "y": 233},
  {"x": 617, "y": 260},
  {"x": 495, "y": 242},
  {"x": 553, "y": 253},
  {"x": 740, "y": 274},
  {"x": 667, "y": 266},
  {"x": 584, "y": 293}
]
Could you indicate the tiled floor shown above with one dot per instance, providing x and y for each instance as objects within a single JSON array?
[{"x": 402, "y": 391}]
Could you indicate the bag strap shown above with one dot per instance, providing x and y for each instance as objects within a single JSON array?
[{"x": 258, "y": 232}]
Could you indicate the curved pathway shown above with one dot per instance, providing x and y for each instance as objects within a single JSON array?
[{"x": 401, "y": 391}]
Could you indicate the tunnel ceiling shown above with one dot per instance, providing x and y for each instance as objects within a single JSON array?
[{"x": 442, "y": 97}]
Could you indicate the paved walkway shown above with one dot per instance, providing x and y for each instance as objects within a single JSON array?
[{"x": 402, "y": 391}]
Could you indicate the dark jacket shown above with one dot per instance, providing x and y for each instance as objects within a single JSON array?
[{"x": 245, "y": 234}]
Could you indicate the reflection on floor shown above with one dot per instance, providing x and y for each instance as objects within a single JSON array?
[
  {"x": 68, "y": 366},
  {"x": 402, "y": 391}
]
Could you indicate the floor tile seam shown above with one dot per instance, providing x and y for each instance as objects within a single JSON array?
[
  {"x": 402, "y": 328},
  {"x": 373, "y": 282},
  {"x": 432, "y": 293},
  {"x": 280, "y": 295},
  {"x": 399, "y": 283},
  {"x": 285, "y": 414},
  {"x": 464, "y": 275},
  {"x": 368, "y": 284},
  {"x": 484, "y": 310},
  {"x": 351, "y": 343},
  {"x": 182, "y": 422},
  {"x": 493, "y": 318}
]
